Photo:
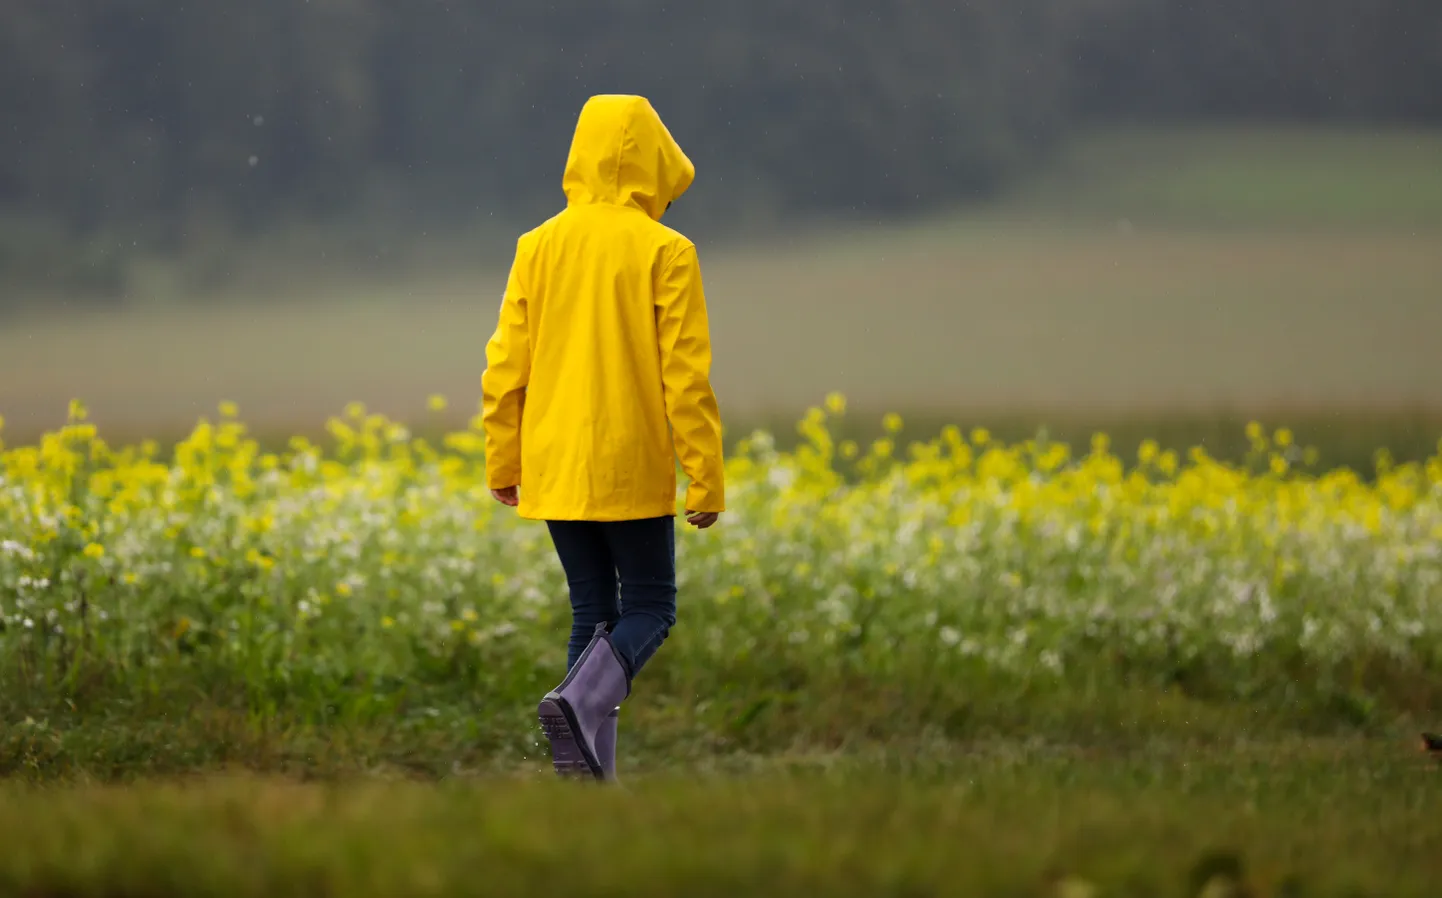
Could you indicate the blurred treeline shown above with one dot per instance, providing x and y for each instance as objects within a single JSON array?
[{"x": 140, "y": 125}]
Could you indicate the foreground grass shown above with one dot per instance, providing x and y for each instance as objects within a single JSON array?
[
  {"x": 1285, "y": 817},
  {"x": 98, "y": 735},
  {"x": 1089, "y": 675},
  {"x": 977, "y": 787}
]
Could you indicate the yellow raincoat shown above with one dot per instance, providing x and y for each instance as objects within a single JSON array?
[{"x": 603, "y": 339}]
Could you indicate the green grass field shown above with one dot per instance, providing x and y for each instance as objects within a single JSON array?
[
  {"x": 1317, "y": 818},
  {"x": 177, "y": 723}
]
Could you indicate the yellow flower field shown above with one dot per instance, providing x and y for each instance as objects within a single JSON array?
[{"x": 347, "y": 576}]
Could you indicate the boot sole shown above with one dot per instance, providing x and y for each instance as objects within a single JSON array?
[{"x": 569, "y": 755}]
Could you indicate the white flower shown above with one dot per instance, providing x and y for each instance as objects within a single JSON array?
[{"x": 11, "y": 547}]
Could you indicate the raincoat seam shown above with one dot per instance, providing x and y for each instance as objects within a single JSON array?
[
  {"x": 676, "y": 253},
  {"x": 621, "y": 160}
]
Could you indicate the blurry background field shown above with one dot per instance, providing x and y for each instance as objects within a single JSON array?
[{"x": 1167, "y": 275}]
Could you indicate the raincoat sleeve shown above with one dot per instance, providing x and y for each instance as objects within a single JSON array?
[
  {"x": 503, "y": 386},
  {"x": 684, "y": 332}
]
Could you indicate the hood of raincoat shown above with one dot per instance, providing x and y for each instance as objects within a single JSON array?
[{"x": 623, "y": 155}]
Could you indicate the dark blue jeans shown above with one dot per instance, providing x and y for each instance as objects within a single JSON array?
[{"x": 622, "y": 573}]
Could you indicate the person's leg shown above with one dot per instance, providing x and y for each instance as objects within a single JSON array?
[
  {"x": 645, "y": 556},
  {"x": 591, "y": 575},
  {"x": 574, "y": 715}
]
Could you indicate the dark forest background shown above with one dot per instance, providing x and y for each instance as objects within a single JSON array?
[{"x": 136, "y": 125}]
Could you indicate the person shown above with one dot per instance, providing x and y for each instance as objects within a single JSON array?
[{"x": 597, "y": 381}]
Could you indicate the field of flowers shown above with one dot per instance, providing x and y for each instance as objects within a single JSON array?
[{"x": 373, "y": 579}]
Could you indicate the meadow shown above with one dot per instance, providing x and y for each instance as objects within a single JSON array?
[
  {"x": 1139, "y": 594},
  {"x": 996, "y": 623}
]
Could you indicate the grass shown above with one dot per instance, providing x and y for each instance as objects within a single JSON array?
[
  {"x": 1290, "y": 277},
  {"x": 265, "y": 750},
  {"x": 1292, "y": 817},
  {"x": 1004, "y": 791},
  {"x": 984, "y": 787}
]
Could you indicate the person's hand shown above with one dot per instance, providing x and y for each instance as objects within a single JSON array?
[
  {"x": 701, "y": 519},
  {"x": 508, "y": 495}
]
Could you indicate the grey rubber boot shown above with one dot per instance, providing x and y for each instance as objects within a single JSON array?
[
  {"x": 573, "y": 713},
  {"x": 606, "y": 745}
]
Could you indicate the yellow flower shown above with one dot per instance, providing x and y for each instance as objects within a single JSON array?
[
  {"x": 129, "y": 578},
  {"x": 836, "y": 404},
  {"x": 343, "y": 589},
  {"x": 94, "y": 550},
  {"x": 342, "y": 432},
  {"x": 229, "y": 409},
  {"x": 980, "y": 436},
  {"x": 892, "y": 422},
  {"x": 849, "y": 449},
  {"x": 77, "y": 410},
  {"x": 1254, "y": 430},
  {"x": 469, "y": 615},
  {"x": 387, "y": 622},
  {"x": 197, "y": 552},
  {"x": 1167, "y": 464},
  {"x": 1283, "y": 437},
  {"x": 457, "y": 626},
  {"x": 436, "y": 403}
]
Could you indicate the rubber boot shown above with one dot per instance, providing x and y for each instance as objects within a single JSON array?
[
  {"x": 606, "y": 745},
  {"x": 573, "y": 713}
]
